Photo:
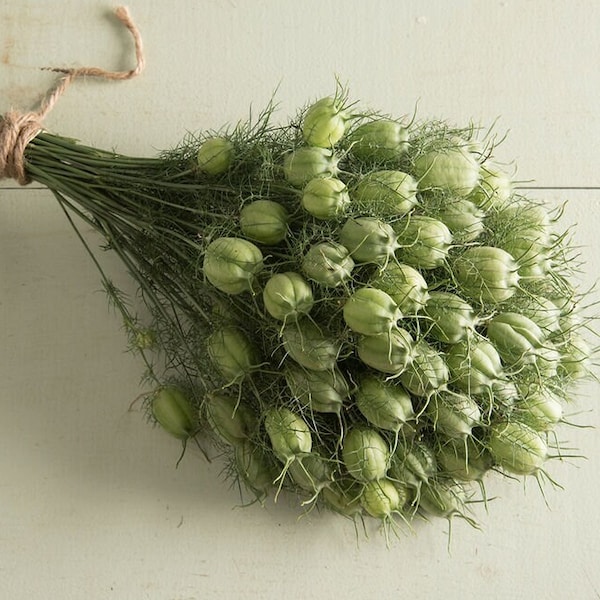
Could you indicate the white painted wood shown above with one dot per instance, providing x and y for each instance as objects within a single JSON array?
[{"x": 92, "y": 505}]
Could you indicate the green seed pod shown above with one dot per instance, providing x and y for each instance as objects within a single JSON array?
[
  {"x": 452, "y": 319},
  {"x": 474, "y": 365},
  {"x": 542, "y": 311},
  {"x": 389, "y": 352},
  {"x": 325, "y": 198},
  {"x": 287, "y": 296},
  {"x": 464, "y": 459},
  {"x": 505, "y": 393},
  {"x": 252, "y": 465},
  {"x": 453, "y": 414},
  {"x": 381, "y": 140},
  {"x": 516, "y": 447},
  {"x": 306, "y": 163},
  {"x": 541, "y": 410},
  {"x": 424, "y": 241},
  {"x": 321, "y": 391},
  {"x": 547, "y": 360},
  {"x": 369, "y": 240},
  {"x": 515, "y": 337},
  {"x": 386, "y": 193},
  {"x": 494, "y": 189},
  {"x": 371, "y": 311},
  {"x": 426, "y": 372},
  {"x": 575, "y": 356},
  {"x": 463, "y": 218},
  {"x": 215, "y": 156},
  {"x": 384, "y": 404},
  {"x": 324, "y": 123},
  {"x": 486, "y": 274},
  {"x": 311, "y": 473},
  {"x": 228, "y": 417},
  {"x": 443, "y": 499},
  {"x": 309, "y": 346},
  {"x": 524, "y": 230},
  {"x": 454, "y": 169},
  {"x": 264, "y": 221},
  {"x": 406, "y": 286},
  {"x": 366, "y": 454},
  {"x": 328, "y": 263},
  {"x": 416, "y": 459},
  {"x": 343, "y": 497},
  {"x": 232, "y": 264},
  {"x": 232, "y": 353},
  {"x": 382, "y": 498},
  {"x": 289, "y": 434},
  {"x": 174, "y": 412}
]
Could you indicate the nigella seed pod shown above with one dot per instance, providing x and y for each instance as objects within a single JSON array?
[
  {"x": 451, "y": 319},
  {"x": 542, "y": 311},
  {"x": 254, "y": 467},
  {"x": 310, "y": 346},
  {"x": 381, "y": 140},
  {"x": 575, "y": 357},
  {"x": 474, "y": 365},
  {"x": 382, "y": 498},
  {"x": 443, "y": 499},
  {"x": 516, "y": 337},
  {"x": 486, "y": 274},
  {"x": 493, "y": 190},
  {"x": 215, "y": 156},
  {"x": 464, "y": 459},
  {"x": 312, "y": 472},
  {"x": 463, "y": 218},
  {"x": 321, "y": 391},
  {"x": 516, "y": 447},
  {"x": 453, "y": 414},
  {"x": 229, "y": 417},
  {"x": 424, "y": 241},
  {"x": 371, "y": 311},
  {"x": 540, "y": 409},
  {"x": 289, "y": 434},
  {"x": 404, "y": 284},
  {"x": 454, "y": 169},
  {"x": 366, "y": 454},
  {"x": 527, "y": 239},
  {"x": 172, "y": 410},
  {"x": 388, "y": 352},
  {"x": 306, "y": 163},
  {"x": 232, "y": 264},
  {"x": 328, "y": 263},
  {"x": 386, "y": 193},
  {"x": 426, "y": 372},
  {"x": 369, "y": 240},
  {"x": 264, "y": 221},
  {"x": 232, "y": 353},
  {"x": 325, "y": 198},
  {"x": 384, "y": 404},
  {"x": 287, "y": 296},
  {"x": 324, "y": 123},
  {"x": 414, "y": 463}
]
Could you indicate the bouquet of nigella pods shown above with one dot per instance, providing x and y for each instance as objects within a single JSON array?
[{"x": 357, "y": 310}]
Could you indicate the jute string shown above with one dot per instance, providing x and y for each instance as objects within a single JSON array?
[{"x": 17, "y": 128}]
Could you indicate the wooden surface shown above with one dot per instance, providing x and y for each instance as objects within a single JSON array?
[{"x": 91, "y": 503}]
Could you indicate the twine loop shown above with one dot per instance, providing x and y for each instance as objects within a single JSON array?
[{"x": 17, "y": 129}]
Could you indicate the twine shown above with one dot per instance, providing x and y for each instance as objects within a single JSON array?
[{"x": 17, "y": 129}]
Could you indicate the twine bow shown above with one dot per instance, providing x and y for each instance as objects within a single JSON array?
[{"x": 17, "y": 129}]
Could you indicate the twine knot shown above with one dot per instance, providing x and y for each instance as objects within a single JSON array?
[{"x": 17, "y": 129}]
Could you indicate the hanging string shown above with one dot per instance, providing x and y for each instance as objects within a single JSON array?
[{"x": 17, "y": 129}]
